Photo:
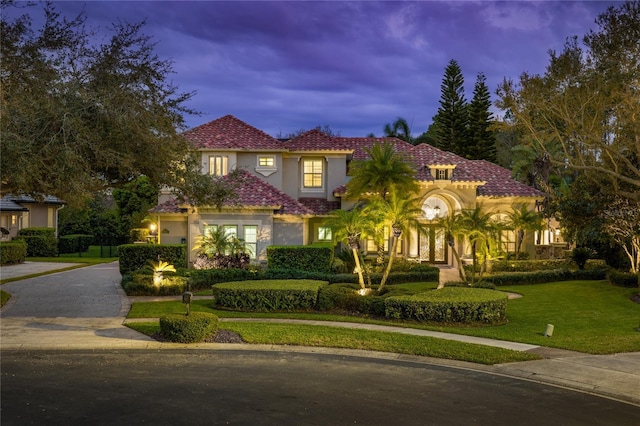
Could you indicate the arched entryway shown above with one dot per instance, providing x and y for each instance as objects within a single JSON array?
[{"x": 432, "y": 246}]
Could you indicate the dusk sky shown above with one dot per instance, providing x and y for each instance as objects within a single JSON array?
[{"x": 354, "y": 66}]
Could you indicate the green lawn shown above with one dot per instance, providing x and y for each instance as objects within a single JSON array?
[{"x": 589, "y": 316}]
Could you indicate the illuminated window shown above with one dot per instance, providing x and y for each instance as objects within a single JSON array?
[
  {"x": 218, "y": 165},
  {"x": 266, "y": 161},
  {"x": 324, "y": 233},
  {"x": 251, "y": 240},
  {"x": 312, "y": 174},
  {"x": 442, "y": 174}
]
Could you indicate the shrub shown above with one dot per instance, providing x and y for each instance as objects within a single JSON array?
[
  {"x": 223, "y": 261},
  {"x": 316, "y": 258},
  {"x": 539, "y": 277},
  {"x": 268, "y": 295},
  {"x": 12, "y": 252},
  {"x": 141, "y": 284},
  {"x": 137, "y": 256},
  {"x": 201, "y": 279},
  {"x": 457, "y": 305},
  {"x": 76, "y": 243},
  {"x": 523, "y": 255},
  {"x": 192, "y": 328},
  {"x": 580, "y": 255},
  {"x": 41, "y": 242},
  {"x": 622, "y": 279}
]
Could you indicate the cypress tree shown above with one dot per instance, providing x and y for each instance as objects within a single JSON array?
[
  {"x": 481, "y": 143},
  {"x": 451, "y": 119}
]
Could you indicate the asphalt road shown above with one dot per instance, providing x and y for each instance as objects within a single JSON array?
[{"x": 183, "y": 387}]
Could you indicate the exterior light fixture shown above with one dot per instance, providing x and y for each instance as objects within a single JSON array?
[{"x": 153, "y": 232}]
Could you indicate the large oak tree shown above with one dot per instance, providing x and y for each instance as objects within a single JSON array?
[{"x": 79, "y": 116}]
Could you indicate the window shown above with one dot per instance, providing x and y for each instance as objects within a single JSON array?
[
  {"x": 218, "y": 165},
  {"x": 251, "y": 240},
  {"x": 50, "y": 217},
  {"x": 442, "y": 174},
  {"x": 312, "y": 174},
  {"x": 371, "y": 244},
  {"x": 324, "y": 233},
  {"x": 266, "y": 161},
  {"x": 209, "y": 229}
]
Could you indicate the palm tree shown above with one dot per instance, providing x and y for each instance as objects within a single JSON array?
[
  {"x": 398, "y": 129},
  {"x": 384, "y": 168},
  {"x": 452, "y": 226},
  {"x": 349, "y": 225},
  {"x": 521, "y": 220},
  {"x": 401, "y": 212},
  {"x": 476, "y": 224}
]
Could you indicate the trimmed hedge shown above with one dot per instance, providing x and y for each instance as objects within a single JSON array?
[
  {"x": 539, "y": 277},
  {"x": 192, "y": 328},
  {"x": 137, "y": 256},
  {"x": 450, "y": 304},
  {"x": 622, "y": 279},
  {"x": 140, "y": 284},
  {"x": 314, "y": 258},
  {"x": 12, "y": 252},
  {"x": 540, "y": 265},
  {"x": 268, "y": 295},
  {"x": 41, "y": 242},
  {"x": 76, "y": 243}
]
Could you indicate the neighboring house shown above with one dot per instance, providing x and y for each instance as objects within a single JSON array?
[
  {"x": 21, "y": 211},
  {"x": 289, "y": 187}
]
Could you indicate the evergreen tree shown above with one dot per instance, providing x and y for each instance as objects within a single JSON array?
[
  {"x": 451, "y": 119},
  {"x": 481, "y": 143}
]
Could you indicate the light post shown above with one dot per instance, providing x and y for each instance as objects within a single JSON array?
[{"x": 153, "y": 231}]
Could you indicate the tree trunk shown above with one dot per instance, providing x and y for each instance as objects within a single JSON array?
[
  {"x": 356, "y": 256},
  {"x": 394, "y": 247}
]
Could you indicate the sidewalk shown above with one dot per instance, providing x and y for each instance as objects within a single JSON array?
[{"x": 92, "y": 316}]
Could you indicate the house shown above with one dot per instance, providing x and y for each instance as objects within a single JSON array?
[
  {"x": 289, "y": 187},
  {"x": 22, "y": 211}
]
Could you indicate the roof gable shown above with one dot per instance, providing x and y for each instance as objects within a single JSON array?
[{"x": 228, "y": 132}]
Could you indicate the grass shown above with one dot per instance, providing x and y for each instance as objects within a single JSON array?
[
  {"x": 589, "y": 316},
  {"x": 4, "y": 297},
  {"x": 324, "y": 336}
]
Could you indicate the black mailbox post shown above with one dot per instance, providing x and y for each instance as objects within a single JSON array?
[{"x": 186, "y": 299}]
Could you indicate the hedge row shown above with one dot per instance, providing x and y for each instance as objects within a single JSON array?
[
  {"x": 76, "y": 243},
  {"x": 140, "y": 284},
  {"x": 137, "y": 256},
  {"x": 459, "y": 305},
  {"x": 314, "y": 258},
  {"x": 623, "y": 279},
  {"x": 540, "y": 265},
  {"x": 205, "y": 278},
  {"x": 12, "y": 252},
  {"x": 192, "y": 328},
  {"x": 41, "y": 242},
  {"x": 268, "y": 295},
  {"x": 539, "y": 277}
]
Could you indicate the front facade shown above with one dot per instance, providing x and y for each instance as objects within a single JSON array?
[
  {"x": 288, "y": 188},
  {"x": 21, "y": 211}
]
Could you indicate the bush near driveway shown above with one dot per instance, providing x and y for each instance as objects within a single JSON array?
[{"x": 192, "y": 328}]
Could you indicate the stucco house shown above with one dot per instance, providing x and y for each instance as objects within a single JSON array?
[
  {"x": 289, "y": 187},
  {"x": 22, "y": 211}
]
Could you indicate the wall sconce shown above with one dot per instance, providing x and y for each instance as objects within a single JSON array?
[{"x": 153, "y": 232}]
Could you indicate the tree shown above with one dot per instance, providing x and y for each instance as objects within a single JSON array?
[
  {"x": 622, "y": 223},
  {"x": 384, "y": 168},
  {"x": 451, "y": 120},
  {"x": 520, "y": 220},
  {"x": 349, "y": 225},
  {"x": 481, "y": 144},
  {"x": 133, "y": 202},
  {"x": 453, "y": 230},
  {"x": 399, "y": 129},
  {"x": 587, "y": 103},
  {"x": 401, "y": 211},
  {"x": 78, "y": 116},
  {"x": 479, "y": 228}
]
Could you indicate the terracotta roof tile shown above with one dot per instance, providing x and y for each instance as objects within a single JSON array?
[
  {"x": 228, "y": 132},
  {"x": 320, "y": 206}
]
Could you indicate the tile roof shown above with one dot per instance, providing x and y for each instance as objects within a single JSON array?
[
  {"x": 251, "y": 192},
  {"x": 228, "y": 132},
  {"x": 320, "y": 206},
  {"x": 315, "y": 140}
]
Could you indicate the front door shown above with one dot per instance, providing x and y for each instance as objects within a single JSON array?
[{"x": 433, "y": 245}]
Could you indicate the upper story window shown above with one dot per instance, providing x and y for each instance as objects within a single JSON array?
[
  {"x": 218, "y": 165},
  {"x": 442, "y": 174},
  {"x": 312, "y": 173},
  {"x": 266, "y": 161},
  {"x": 324, "y": 233}
]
